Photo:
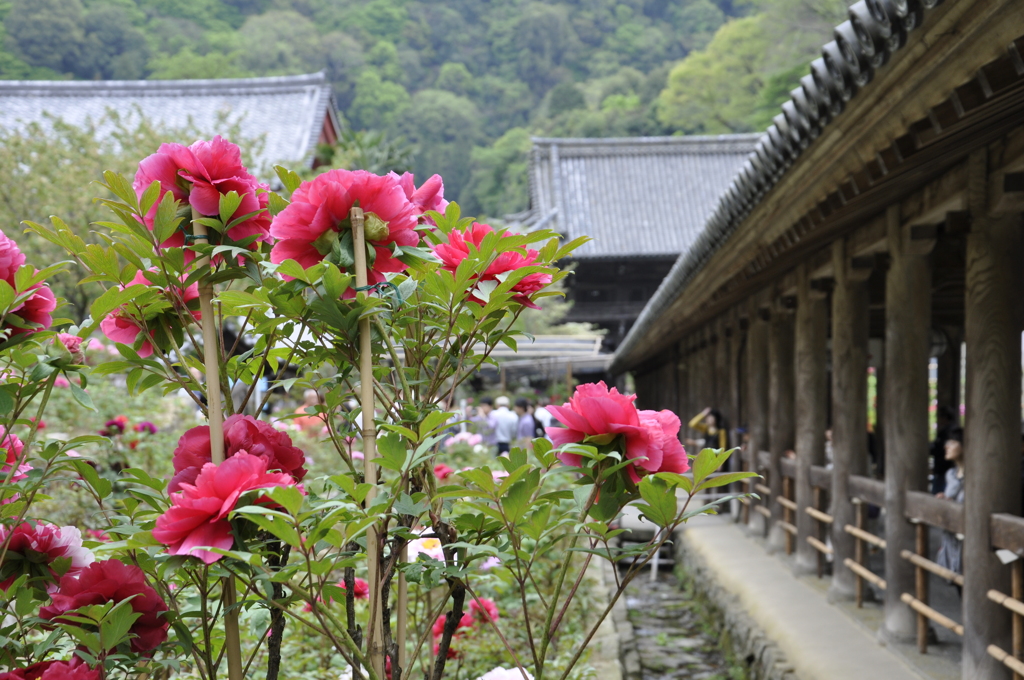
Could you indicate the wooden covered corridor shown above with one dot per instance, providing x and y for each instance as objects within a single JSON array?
[{"x": 877, "y": 230}]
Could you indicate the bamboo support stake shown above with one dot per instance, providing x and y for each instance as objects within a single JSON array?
[
  {"x": 215, "y": 416},
  {"x": 1017, "y": 590},
  {"x": 375, "y": 634},
  {"x": 921, "y": 583},
  {"x": 403, "y": 612},
  {"x": 858, "y": 553}
]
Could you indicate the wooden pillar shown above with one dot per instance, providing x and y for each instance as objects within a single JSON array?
[
  {"x": 811, "y": 389},
  {"x": 722, "y": 375},
  {"x": 850, "y": 319},
  {"x": 992, "y": 333},
  {"x": 757, "y": 392},
  {"x": 781, "y": 416},
  {"x": 907, "y": 345},
  {"x": 682, "y": 383}
]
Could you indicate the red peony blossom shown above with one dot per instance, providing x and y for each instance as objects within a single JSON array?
[
  {"x": 34, "y": 313},
  {"x": 442, "y": 471},
  {"x": 198, "y": 514},
  {"x": 113, "y": 581},
  {"x": 651, "y": 437},
  {"x": 241, "y": 433},
  {"x": 457, "y": 249},
  {"x": 72, "y": 669},
  {"x": 308, "y": 228},
  {"x": 430, "y": 196},
  {"x": 484, "y": 610},
  {"x": 199, "y": 175},
  {"x": 33, "y": 548},
  {"x": 361, "y": 589}
]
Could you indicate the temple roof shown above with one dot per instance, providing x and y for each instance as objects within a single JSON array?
[
  {"x": 289, "y": 113},
  {"x": 638, "y": 196}
]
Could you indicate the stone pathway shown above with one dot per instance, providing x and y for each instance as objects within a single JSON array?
[{"x": 672, "y": 640}]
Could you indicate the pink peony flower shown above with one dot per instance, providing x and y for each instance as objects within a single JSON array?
[
  {"x": 490, "y": 563},
  {"x": 95, "y": 345},
  {"x": 430, "y": 196},
  {"x": 11, "y": 258},
  {"x": 72, "y": 669},
  {"x": 595, "y": 411},
  {"x": 199, "y": 175},
  {"x": 61, "y": 382},
  {"x": 73, "y": 345},
  {"x": 121, "y": 326},
  {"x": 97, "y": 534},
  {"x": 198, "y": 514},
  {"x": 484, "y": 610},
  {"x": 241, "y": 433},
  {"x": 308, "y": 229},
  {"x": 12, "y": 448},
  {"x": 33, "y": 549},
  {"x": 145, "y": 426},
  {"x": 34, "y": 313},
  {"x": 114, "y": 581},
  {"x": 442, "y": 471},
  {"x": 457, "y": 249}
]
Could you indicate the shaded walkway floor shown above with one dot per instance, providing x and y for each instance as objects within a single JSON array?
[{"x": 821, "y": 641}]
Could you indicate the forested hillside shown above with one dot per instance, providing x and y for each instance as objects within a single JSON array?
[{"x": 465, "y": 82}]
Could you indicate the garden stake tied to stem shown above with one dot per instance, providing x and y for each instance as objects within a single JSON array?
[
  {"x": 375, "y": 634},
  {"x": 211, "y": 356}
]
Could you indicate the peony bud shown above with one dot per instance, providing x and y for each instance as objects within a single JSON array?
[
  {"x": 67, "y": 350},
  {"x": 375, "y": 228}
]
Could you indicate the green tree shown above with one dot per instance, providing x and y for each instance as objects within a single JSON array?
[
  {"x": 378, "y": 103},
  {"x": 498, "y": 183},
  {"x": 455, "y": 78},
  {"x": 112, "y": 47},
  {"x": 716, "y": 89},
  {"x": 280, "y": 43},
  {"x": 565, "y": 97},
  {"x": 46, "y": 33},
  {"x": 443, "y": 125}
]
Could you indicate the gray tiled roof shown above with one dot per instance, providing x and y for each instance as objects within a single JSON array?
[
  {"x": 639, "y": 196},
  {"x": 286, "y": 112}
]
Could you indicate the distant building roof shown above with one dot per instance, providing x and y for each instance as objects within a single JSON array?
[
  {"x": 636, "y": 197},
  {"x": 290, "y": 113}
]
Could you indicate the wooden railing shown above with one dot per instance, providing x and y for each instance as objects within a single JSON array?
[
  {"x": 924, "y": 510},
  {"x": 789, "y": 509},
  {"x": 864, "y": 491},
  {"x": 1008, "y": 534},
  {"x": 821, "y": 484}
]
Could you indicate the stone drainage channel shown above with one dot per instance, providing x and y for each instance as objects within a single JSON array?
[{"x": 673, "y": 637}]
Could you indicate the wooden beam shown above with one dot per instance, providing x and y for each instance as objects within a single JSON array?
[{"x": 945, "y": 514}]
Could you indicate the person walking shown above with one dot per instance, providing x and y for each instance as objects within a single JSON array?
[
  {"x": 485, "y": 422},
  {"x": 506, "y": 425},
  {"x": 526, "y": 428}
]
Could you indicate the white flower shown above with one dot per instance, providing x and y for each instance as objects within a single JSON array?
[
  {"x": 346, "y": 674},
  {"x": 429, "y": 546},
  {"x": 500, "y": 673}
]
